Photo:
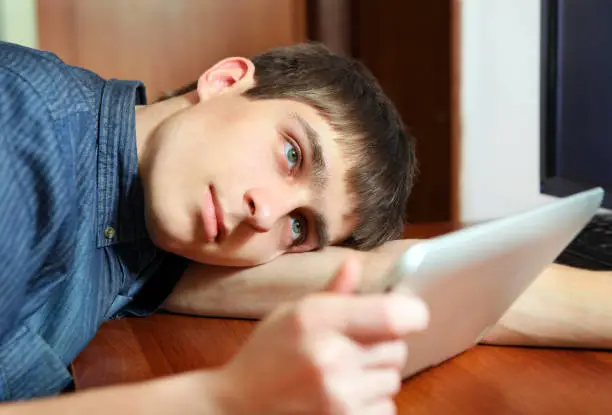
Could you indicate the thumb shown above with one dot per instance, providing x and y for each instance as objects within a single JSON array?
[{"x": 346, "y": 280}]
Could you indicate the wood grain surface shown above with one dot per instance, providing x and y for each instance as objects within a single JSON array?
[{"x": 484, "y": 380}]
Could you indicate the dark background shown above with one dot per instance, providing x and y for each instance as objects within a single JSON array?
[
  {"x": 577, "y": 146},
  {"x": 410, "y": 46}
]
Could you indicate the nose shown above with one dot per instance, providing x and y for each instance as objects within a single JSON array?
[{"x": 264, "y": 207}]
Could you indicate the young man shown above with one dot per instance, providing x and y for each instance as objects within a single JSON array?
[
  {"x": 101, "y": 198},
  {"x": 267, "y": 157}
]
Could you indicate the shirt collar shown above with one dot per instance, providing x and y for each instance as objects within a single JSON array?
[{"x": 120, "y": 205}]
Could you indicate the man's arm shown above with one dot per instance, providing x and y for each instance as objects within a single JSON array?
[
  {"x": 563, "y": 307},
  {"x": 254, "y": 292},
  {"x": 324, "y": 357}
]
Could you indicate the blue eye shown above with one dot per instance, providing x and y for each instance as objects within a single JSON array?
[
  {"x": 298, "y": 229},
  {"x": 292, "y": 154}
]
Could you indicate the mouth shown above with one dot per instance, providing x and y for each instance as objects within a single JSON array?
[
  {"x": 209, "y": 217},
  {"x": 221, "y": 230}
]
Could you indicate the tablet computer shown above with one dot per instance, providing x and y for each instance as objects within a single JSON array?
[{"x": 469, "y": 278}]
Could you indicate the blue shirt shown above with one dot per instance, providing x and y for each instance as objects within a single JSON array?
[{"x": 74, "y": 250}]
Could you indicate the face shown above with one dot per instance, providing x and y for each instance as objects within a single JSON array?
[{"x": 237, "y": 182}]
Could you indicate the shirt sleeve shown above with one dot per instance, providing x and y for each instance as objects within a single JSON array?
[
  {"x": 16, "y": 243},
  {"x": 29, "y": 182},
  {"x": 154, "y": 290}
]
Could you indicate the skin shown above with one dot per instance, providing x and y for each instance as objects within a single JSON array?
[{"x": 257, "y": 158}]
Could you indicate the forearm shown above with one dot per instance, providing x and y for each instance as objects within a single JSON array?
[
  {"x": 253, "y": 292},
  {"x": 564, "y": 307},
  {"x": 193, "y": 393}
]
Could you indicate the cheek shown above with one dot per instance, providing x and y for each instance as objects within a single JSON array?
[
  {"x": 261, "y": 157},
  {"x": 247, "y": 248},
  {"x": 253, "y": 145}
]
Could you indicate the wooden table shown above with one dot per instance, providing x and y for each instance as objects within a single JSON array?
[{"x": 484, "y": 380}]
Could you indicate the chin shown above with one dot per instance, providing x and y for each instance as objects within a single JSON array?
[
  {"x": 164, "y": 241},
  {"x": 183, "y": 244},
  {"x": 172, "y": 242},
  {"x": 163, "y": 238}
]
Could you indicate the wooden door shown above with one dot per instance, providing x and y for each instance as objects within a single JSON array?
[
  {"x": 411, "y": 46},
  {"x": 164, "y": 43}
]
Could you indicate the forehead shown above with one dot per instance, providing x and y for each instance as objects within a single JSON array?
[{"x": 336, "y": 202}]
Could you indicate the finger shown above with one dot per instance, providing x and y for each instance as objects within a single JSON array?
[
  {"x": 346, "y": 280},
  {"x": 393, "y": 355},
  {"x": 382, "y": 407},
  {"x": 333, "y": 353},
  {"x": 377, "y": 385},
  {"x": 371, "y": 318}
]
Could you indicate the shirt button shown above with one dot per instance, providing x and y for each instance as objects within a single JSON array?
[{"x": 109, "y": 232}]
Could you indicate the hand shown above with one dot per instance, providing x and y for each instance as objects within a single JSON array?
[{"x": 330, "y": 353}]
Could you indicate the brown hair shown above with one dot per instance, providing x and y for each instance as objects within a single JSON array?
[{"x": 371, "y": 131}]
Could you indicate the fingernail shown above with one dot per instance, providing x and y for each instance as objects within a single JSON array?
[{"x": 408, "y": 313}]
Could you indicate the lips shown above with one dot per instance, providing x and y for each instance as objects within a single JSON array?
[
  {"x": 209, "y": 217},
  {"x": 221, "y": 230},
  {"x": 212, "y": 217}
]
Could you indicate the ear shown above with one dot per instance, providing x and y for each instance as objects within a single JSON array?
[{"x": 228, "y": 74}]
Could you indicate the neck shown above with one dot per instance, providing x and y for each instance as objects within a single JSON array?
[{"x": 149, "y": 117}]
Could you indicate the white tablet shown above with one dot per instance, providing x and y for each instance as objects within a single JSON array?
[{"x": 469, "y": 278}]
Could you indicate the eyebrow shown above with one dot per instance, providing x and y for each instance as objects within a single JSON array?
[
  {"x": 321, "y": 231},
  {"x": 320, "y": 177},
  {"x": 319, "y": 167}
]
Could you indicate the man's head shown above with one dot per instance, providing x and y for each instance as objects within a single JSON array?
[{"x": 290, "y": 151}]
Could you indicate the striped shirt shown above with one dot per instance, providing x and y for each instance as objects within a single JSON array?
[{"x": 74, "y": 250}]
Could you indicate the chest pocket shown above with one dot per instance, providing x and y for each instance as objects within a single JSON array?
[{"x": 29, "y": 367}]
